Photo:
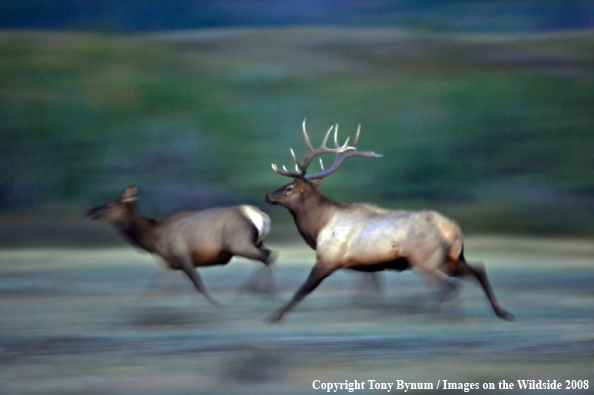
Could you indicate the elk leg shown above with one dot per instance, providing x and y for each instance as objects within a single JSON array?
[
  {"x": 367, "y": 280},
  {"x": 261, "y": 282},
  {"x": 154, "y": 280},
  {"x": 250, "y": 251},
  {"x": 270, "y": 255},
  {"x": 376, "y": 282},
  {"x": 426, "y": 264},
  {"x": 316, "y": 276},
  {"x": 242, "y": 241},
  {"x": 254, "y": 283},
  {"x": 188, "y": 268},
  {"x": 463, "y": 269}
]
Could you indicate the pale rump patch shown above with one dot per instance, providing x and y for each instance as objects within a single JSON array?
[{"x": 260, "y": 220}]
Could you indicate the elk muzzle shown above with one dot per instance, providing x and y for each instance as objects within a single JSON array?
[
  {"x": 270, "y": 199},
  {"x": 109, "y": 213},
  {"x": 94, "y": 213}
]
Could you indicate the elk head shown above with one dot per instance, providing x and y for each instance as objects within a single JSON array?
[
  {"x": 292, "y": 195},
  {"x": 118, "y": 210}
]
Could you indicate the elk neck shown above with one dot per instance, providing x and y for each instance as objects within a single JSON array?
[
  {"x": 138, "y": 230},
  {"x": 312, "y": 215}
]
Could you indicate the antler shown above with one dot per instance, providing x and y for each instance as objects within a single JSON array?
[{"x": 342, "y": 153}]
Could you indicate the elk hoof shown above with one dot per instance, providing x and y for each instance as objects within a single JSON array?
[
  {"x": 274, "y": 318},
  {"x": 505, "y": 315},
  {"x": 271, "y": 259},
  {"x": 449, "y": 291}
]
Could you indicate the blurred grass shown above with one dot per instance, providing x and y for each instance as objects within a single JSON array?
[
  {"x": 95, "y": 321},
  {"x": 495, "y": 131}
]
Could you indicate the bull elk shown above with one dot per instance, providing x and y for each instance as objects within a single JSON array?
[
  {"x": 193, "y": 239},
  {"x": 368, "y": 238}
]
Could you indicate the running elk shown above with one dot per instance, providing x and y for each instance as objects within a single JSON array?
[
  {"x": 368, "y": 238},
  {"x": 189, "y": 240}
]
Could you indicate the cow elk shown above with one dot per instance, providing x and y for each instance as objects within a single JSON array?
[
  {"x": 193, "y": 239},
  {"x": 368, "y": 238}
]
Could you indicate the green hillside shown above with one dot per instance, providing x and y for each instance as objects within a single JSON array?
[{"x": 496, "y": 131}]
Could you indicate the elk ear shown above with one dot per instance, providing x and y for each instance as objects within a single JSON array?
[
  {"x": 317, "y": 182},
  {"x": 130, "y": 194}
]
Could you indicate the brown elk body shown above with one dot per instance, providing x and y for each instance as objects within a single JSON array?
[
  {"x": 368, "y": 238},
  {"x": 193, "y": 239}
]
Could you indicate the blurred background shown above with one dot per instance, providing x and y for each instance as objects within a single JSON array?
[{"x": 483, "y": 110}]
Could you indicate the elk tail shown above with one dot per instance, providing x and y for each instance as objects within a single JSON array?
[
  {"x": 461, "y": 256},
  {"x": 260, "y": 220}
]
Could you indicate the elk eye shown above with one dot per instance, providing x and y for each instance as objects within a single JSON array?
[{"x": 289, "y": 189}]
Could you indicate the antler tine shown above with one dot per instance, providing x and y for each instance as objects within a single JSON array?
[
  {"x": 311, "y": 153},
  {"x": 285, "y": 172},
  {"x": 345, "y": 152},
  {"x": 345, "y": 146},
  {"x": 342, "y": 153},
  {"x": 294, "y": 156},
  {"x": 306, "y": 137},
  {"x": 357, "y": 136},
  {"x": 336, "y": 137},
  {"x": 326, "y": 137},
  {"x": 340, "y": 158}
]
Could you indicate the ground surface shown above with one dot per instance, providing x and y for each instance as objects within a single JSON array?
[{"x": 88, "y": 321}]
